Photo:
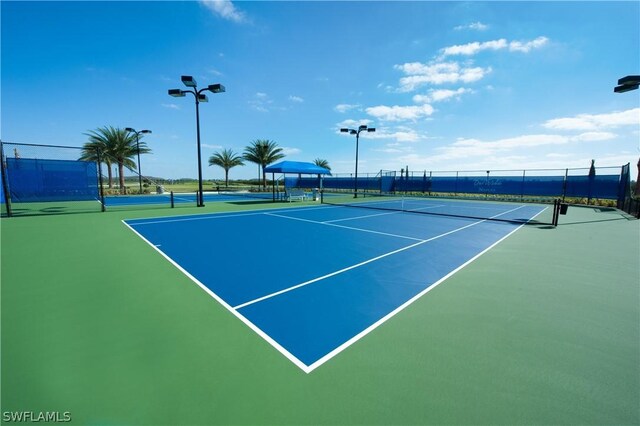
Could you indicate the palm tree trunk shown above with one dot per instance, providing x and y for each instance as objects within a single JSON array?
[
  {"x": 259, "y": 175},
  {"x": 226, "y": 178},
  {"x": 110, "y": 174},
  {"x": 264, "y": 178},
  {"x": 121, "y": 173}
]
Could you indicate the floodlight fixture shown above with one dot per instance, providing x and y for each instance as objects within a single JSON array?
[
  {"x": 628, "y": 83},
  {"x": 625, "y": 88},
  {"x": 344, "y": 130},
  {"x": 176, "y": 93},
  {"x": 202, "y": 98},
  {"x": 362, "y": 127},
  {"x": 216, "y": 88},
  {"x": 145, "y": 131},
  {"x": 188, "y": 81},
  {"x": 630, "y": 80},
  {"x": 371, "y": 129}
]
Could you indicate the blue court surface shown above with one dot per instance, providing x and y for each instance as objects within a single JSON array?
[{"x": 312, "y": 281}]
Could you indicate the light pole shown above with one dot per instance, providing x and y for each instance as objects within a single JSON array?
[
  {"x": 626, "y": 84},
  {"x": 200, "y": 97},
  {"x": 362, "y": 128},
  {"x": 132, "y": 130}
]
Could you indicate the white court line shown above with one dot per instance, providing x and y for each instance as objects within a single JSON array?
[
  {"x": 360, "y": 217},
  {"x": 342, "y": 226},
  {"x": 219, "y": 215},
  {"x": 297, "y": 286}
]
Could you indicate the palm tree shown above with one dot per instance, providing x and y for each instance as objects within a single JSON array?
[
  {"x": 226, "y": 159},
  {"x": 96, "y": 151},
  {"x": 116, "y": 146},
  {"x": 322, "y": 163},
  {"x": 263, "y": 152}
]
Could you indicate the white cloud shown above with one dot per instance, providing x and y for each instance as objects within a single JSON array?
[
  {"x": 475, "y": 47},
  {"x": 171, "y": 106},
  {"x": 440, "y": 95},
  {"x": 594, "y": 136},
  {"x": 475, "y": 147},
  {"x": 596, "y": 121},
  {"x": 419, "y": 74},
  {"x": 516, "y": 46},
  {"x": 389, "y": 150},
  {"x": 400, "y": 113},
  {"x": 476, "y": 26},
  {"x": 342, "y": 108},
  {"x": 261, "y": 102},
  {"x": 296, "y": 99},
  {"x": 204, "y": 145},
  {"x": 400, "y": 134},
  {"x": 225, "y": 9},
  {"x": 352, "y": 124},
  {"x": 500, "y": 44},
  {"x": 290, "y": 151}
]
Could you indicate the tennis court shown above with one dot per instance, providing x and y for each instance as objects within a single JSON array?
[
  {"x": 182, "y": 198},
  {"x": 323, "y": 277},
  {"x": 540, "y": 329}
]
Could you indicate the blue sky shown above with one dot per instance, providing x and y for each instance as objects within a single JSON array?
[{"x": 448, "y": 85}]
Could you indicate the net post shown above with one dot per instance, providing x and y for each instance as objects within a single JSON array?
[
  {"x": 172, "y": 202},
  {"x": 556, "y": 211},
  {"x": 103, "y": 207}
]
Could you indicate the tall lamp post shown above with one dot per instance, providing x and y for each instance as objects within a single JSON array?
[
  {"x": 362, "y": 128},
  {"x": 132, "y": 130},
  {"x": 200, "y": 97},
  {"x": 625, "y": 84}
]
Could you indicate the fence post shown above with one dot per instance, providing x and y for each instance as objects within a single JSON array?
[{"x": 5, "y": 182}]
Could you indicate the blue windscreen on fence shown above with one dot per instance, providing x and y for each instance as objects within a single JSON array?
[
  {"x": 603, "y": 186},
  {"x": 33, "y": 180}
]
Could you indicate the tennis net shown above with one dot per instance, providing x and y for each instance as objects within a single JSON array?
[
  {"x": 248, "y": 192},
  {"x": 523, "y": 213}
]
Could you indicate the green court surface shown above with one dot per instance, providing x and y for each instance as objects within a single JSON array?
[{"x": 542, "y": 329}]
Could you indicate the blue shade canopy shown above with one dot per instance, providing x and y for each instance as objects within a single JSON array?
[{"x": 297, "y": 167}]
